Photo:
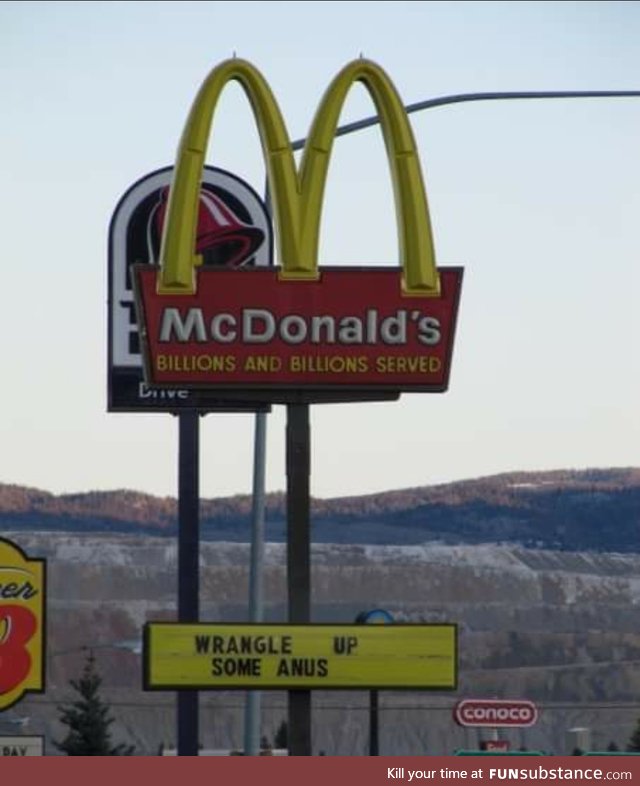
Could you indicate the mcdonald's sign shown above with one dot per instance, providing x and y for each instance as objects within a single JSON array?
[
  {"x": 22, "y": 633},
  {"x": 297, "y": 329}
]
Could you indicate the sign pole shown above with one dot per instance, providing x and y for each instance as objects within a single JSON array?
[
  {"x": 379, "y": 617},
  {"x": 188, "y": 565},
  {"x": 253, "y": 700},
  {"x": 298, "y": 460},
  {"x": 374, "y": 746}
]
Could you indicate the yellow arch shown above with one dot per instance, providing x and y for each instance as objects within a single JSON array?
[{"x": 298, "y": 196}]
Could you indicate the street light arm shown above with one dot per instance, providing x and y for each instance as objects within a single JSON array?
[
  {"x": 461, "y": 98},
  {"x": 252, "y": 707}
]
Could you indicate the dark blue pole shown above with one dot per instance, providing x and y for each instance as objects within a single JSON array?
[{"x": 188, "y": 566}]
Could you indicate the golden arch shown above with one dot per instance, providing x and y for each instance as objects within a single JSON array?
[{"x": 298, "y": 195}]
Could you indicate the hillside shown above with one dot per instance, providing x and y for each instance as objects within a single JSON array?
[
  {"x": 559, "y": 628},
  {"x": 538, "y": 570},
  {"x": 564, "y": 509}
]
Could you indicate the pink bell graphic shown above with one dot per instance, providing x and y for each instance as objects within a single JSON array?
[{"x": 222, "y": 237}]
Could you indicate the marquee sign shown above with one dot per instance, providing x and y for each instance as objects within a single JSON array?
[
  {"x": 298, "y": 328},
  {"x": 283, "y": 657},
  {"x": 22, "y": 617}
]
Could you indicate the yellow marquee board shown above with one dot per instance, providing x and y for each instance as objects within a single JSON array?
[{"x": 281, "y": 657}]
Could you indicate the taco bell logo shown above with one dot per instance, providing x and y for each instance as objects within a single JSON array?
[{"x": 233, "y": 230}]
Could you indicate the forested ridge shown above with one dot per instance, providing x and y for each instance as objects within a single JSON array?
[{"x": 596, "y": 509}]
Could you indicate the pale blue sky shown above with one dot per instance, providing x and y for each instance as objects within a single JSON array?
[{"x": 538, "y": 200}]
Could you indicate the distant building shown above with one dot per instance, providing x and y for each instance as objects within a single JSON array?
[{"x": 164, "y": 751}]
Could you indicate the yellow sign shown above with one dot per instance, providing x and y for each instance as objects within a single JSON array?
[
  {"x": 22, "y": 594},
  {"x": 209, "y": 656},
  {"x": 298, "y": 194}
]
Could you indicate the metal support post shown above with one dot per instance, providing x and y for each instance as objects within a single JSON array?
[
  {"x": 374, "y": 746},
  {"x": 188, "y": 566},
  {"x": 253, "y": 703},
  {"x": 298, "y": 560}
]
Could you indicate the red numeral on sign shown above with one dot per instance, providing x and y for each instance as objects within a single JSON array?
[{"x": 19, "y": 624}]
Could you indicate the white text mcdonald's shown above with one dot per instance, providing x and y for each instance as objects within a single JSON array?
[
  {"x": 298, "y": 327},
  {"x": 249, "y": 329}
]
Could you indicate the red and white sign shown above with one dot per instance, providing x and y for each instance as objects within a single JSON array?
[
  {"x": 495, "y": 712},
  {"x": 499, "y": 746},
  {"x": 225, "y": 237},
  {"x": 350, "y": 328}
]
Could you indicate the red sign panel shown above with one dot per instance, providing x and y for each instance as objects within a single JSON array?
[
  {"x": 494, "y": 712},
  {"x": 501, "y": 746},
  {"x": 351, "y": 328}
]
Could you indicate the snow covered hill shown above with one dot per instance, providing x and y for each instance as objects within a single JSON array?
[{"x": 560, "y": 628}]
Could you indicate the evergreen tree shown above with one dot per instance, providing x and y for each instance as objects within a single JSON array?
[
  {"x": 634, "y": 742},
  {"x": 88, "y": 719},
  {"x": 281, "y": 740}
]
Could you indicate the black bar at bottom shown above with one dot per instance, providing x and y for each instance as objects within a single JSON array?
[{"x": 188, "y": 566}]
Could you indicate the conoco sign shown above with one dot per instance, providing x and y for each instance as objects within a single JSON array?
[
  {"x": 298, "y": 328},
  {"x": 495, "y": 712}
]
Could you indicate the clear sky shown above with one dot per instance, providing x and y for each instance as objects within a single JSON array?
[{"x": 539, "y": 201}]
